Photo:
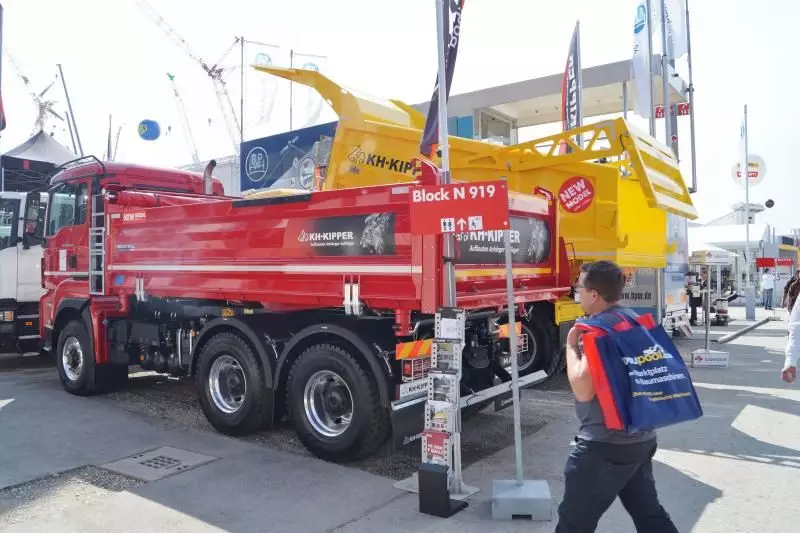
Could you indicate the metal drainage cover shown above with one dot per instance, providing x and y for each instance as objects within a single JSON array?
[{"x": 158, "y": 463}]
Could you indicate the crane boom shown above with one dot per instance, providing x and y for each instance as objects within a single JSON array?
[
  {"x": 215, "y": 72},
  {"x": 187, "y": 130}
]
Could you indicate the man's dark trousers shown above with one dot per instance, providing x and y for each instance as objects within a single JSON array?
[{"x": 598, "y": 472}]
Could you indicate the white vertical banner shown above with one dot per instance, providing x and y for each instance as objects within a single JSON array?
[
  {"x": 677, "y": 34},
  {"x": 640, "y": 65},
  {"x": 263, "y": 92},
  {"x": 308, "y": 107}
]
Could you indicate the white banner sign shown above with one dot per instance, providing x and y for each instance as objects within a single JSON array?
[{"x": 640, "y": 66}]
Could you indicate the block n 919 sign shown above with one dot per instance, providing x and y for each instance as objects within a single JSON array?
[{"x": 459, "y": 207}]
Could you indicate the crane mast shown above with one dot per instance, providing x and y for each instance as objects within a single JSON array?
[
  {"x": 215, "y": 71},
  {"x": 187, "y": 130}
]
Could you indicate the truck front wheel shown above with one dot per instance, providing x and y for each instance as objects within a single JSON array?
[
  {"x": 231, "y": 385},
  {"x": 76, "y": 366},
  {"x": 334, "y": 405}
]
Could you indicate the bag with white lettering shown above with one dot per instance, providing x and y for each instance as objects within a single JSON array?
[{"x": 639, "y": 376}]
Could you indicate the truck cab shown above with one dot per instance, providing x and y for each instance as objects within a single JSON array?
[
  {"x": 66, "y": 228},
  {"x": 21, "y": 220}
]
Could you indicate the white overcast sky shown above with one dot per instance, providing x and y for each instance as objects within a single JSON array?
[{"x": 115, "y": 61}]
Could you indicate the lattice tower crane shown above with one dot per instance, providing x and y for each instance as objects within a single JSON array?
[{"x": 215, "y": 72}]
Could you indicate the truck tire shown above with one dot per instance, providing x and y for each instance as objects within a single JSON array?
[
  {"x": 231, "y": 385},
  {"x": 527, "y": 361},
  {"x": 548, "y": 356},
  {"x": 334, "y": 405},
  {"x": 77, "y": 370}
]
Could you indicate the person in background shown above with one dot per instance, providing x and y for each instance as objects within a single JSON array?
[
  {"x": 790, "y": 291},
  {"x": 605, "y": 464},
  {"x": 789, "y": 372},
  {"x": 695, "y": 302},
  {"x": 767, "y": 288}
]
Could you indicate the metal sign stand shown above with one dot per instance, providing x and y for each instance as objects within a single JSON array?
[
  {"x": 441, "y": 439},
  {"x": 706, "y": 356},
  {"x": 518, "y": 497}
]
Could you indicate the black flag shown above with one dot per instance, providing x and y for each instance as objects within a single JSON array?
[
  {"x": 430, "y": 134},
  {"x": 571, "y": 89}
]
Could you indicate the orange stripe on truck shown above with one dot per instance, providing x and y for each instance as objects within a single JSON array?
[
  {"x": 505, "y": 332},
  {"x": 414, "y": 350}
]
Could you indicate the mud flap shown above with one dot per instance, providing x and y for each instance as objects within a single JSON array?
[{"x": 408, "y": 422}]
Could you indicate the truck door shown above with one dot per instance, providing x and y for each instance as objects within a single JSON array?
[
  {"x": 66, "y": 254},
  {"x": 9, "y": 237},
  {"x": 29, "y": 283}
]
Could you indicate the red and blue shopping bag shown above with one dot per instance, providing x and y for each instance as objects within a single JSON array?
[{"x": 640, "y": 378}]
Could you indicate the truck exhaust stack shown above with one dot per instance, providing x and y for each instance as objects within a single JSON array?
[{"x": 207, "y": 176}]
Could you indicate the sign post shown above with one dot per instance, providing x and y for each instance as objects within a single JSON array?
[{"x": 447, "y": 209}]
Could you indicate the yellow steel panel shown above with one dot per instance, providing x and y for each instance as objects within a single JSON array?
[{"x": 636, "y": 179}]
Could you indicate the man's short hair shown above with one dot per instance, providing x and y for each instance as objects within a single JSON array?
[{"x": 606, "y": 278}]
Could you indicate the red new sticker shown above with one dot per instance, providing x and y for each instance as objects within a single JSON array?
[{"x": 576, "y": 194}]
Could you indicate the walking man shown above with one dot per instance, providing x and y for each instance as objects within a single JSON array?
[{"x": 605, "y": 463}]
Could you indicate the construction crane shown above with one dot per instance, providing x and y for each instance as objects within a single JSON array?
[
  {"x": 187, "y": 130},
  {"x": 215, "y": 72},
  {"x": 44, "y": 108}
]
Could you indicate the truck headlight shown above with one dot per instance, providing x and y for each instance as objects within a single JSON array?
[{"x": 6, "y": 316}]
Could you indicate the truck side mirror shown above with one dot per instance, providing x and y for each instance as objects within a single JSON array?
[{"x": 33, "y": 222}]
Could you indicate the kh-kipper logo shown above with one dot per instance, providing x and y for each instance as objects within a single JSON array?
[{"x": 361, "y": 157}]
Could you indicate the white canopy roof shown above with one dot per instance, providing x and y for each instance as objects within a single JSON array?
[{"x": 728, "y": 237}]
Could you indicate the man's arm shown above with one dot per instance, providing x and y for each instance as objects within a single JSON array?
[
  {"x": 789, "y": 372},
  {"x": 580, "y": 379}
]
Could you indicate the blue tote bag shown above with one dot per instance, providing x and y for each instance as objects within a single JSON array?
[{"x": 640, "y": 377}]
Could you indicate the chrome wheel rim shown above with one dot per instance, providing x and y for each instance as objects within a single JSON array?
[
  {"x": 72, "y": 358},
  {"x": 328, "y": 403},
  {"x": 227, "y": 384}
]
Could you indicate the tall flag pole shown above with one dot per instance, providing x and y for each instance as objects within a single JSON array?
[
  {"x": 428, "y": 144},
  {"x": 2, "y": 111},
  {"x": 691, "y": 96},
  {"x": 744, "y": 169},
  {"x": 572, "y": 90}
]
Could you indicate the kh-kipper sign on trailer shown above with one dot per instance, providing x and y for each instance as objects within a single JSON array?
[{"x": 459, "y": 207}]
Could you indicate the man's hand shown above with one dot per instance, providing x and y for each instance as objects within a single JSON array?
[
  {"x": 789, "y": 374},
  {"x": 573, "y": 336}
]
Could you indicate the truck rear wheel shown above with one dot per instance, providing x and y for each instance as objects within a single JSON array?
[
  {"x": 231, "y": 385},
  {"x": 76, "y": 366},
  {"x": 334, "y": 405}
]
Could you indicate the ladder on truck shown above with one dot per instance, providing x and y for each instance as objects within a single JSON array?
[{"x": 97, "y": 247}]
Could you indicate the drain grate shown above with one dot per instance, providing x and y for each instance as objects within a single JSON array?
[
  {"x": 158, "y": 463},
  {"x": 162, "y": 461}
]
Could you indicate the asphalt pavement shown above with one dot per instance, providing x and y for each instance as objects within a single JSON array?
[{"x": 734, "y": 470}]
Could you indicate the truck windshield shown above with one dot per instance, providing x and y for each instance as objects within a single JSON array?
[{"x": 9, "y": 218}]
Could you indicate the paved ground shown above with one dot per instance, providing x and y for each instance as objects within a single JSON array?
[{"x": 726, "y": 472}]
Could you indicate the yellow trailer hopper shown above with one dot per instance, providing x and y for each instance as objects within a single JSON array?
[{"x": 636, "y": 180}]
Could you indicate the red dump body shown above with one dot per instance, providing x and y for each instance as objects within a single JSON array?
[{"x": 301, "y": 252}]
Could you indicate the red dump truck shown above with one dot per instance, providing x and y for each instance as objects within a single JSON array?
[{"x": 316, "y": 306}]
